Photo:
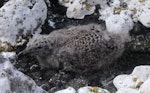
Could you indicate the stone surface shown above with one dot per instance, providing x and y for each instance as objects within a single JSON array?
[
  {"x": 89, "y": 89},
  {"x": 142, "y": 72},
  {"x": 21, "y": 17},
  {"x": 136, "y": 82},
  {"x": 137, "y": 9},
  {"x": 14, "y": 81},
  {"x": 145, "y": 87},
  {"x": 125, "y": 81},
  {"x": 127, "y": 90},
  {"x": 77, "y": 8},
  {"x": 86, "y": 89},
  {"x": 68, "y": 90}
]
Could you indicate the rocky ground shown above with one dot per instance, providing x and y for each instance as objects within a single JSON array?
[{"x": 137, "y": 53}]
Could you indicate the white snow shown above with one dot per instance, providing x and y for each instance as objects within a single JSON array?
[{"x": 20, "y": 17}]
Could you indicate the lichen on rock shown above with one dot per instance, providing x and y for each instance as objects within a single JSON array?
[
  {"x": 77, "y": 8},
  {"x": 21, "y": 17},
  {"x": 138, "y": 10},
  {"x": 136, "y": 82},
  {"x": 14, "y": 81}
]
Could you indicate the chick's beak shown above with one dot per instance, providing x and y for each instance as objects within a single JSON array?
[{"x": 23, "y": 53}]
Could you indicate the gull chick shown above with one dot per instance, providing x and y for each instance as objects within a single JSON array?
[{"x": 78, "y": 48}]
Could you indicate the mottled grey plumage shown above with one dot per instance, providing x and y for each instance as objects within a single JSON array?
[{"x": 79, "y": 48}]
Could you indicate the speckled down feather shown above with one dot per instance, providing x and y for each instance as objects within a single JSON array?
[{"x": 79, "y": 48}]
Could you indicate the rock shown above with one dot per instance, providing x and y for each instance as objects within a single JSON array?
[
  {"x": 137, "y": 82},
  {"x": 21, "y": 17},
  {"x": 127, "y": 90},
  {"x": 126, "y": 81},
  {"x": 3, "y": 83},
  {"x": 140, "y": 43},
  {"x": 14, "y": 81},
  {"x": 138, "y": 10},
  {"x": 90, "y": 89},
  {"x": 68, "y": 90},
  {"x": 9, "y": 55},
  {"x": 142, "y": 72},
  {"x": 77, "y": 9},
  {"x": 145, "y": 87},
  {"x": 87, "y": 89},
  {"x": 145, "y": 13}
]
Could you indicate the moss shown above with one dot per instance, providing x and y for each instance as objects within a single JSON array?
[
  {"x": 88, "y": 6},
  {"x": 8, "y": 47},
  {"x": 132, "y": 87},
  {"x": 142, "y": 1},
  {"x": 117, "y": 10},
  {"x": 2, "y": 49},
  {"x": 75, "y": 9},
  {"x": 94, "y": 89},
  {"x": 134, "y": 79},
  {"x": 139, "y": 84}
]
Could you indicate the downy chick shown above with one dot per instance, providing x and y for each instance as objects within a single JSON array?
[{"x": 79, "y": 48}]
